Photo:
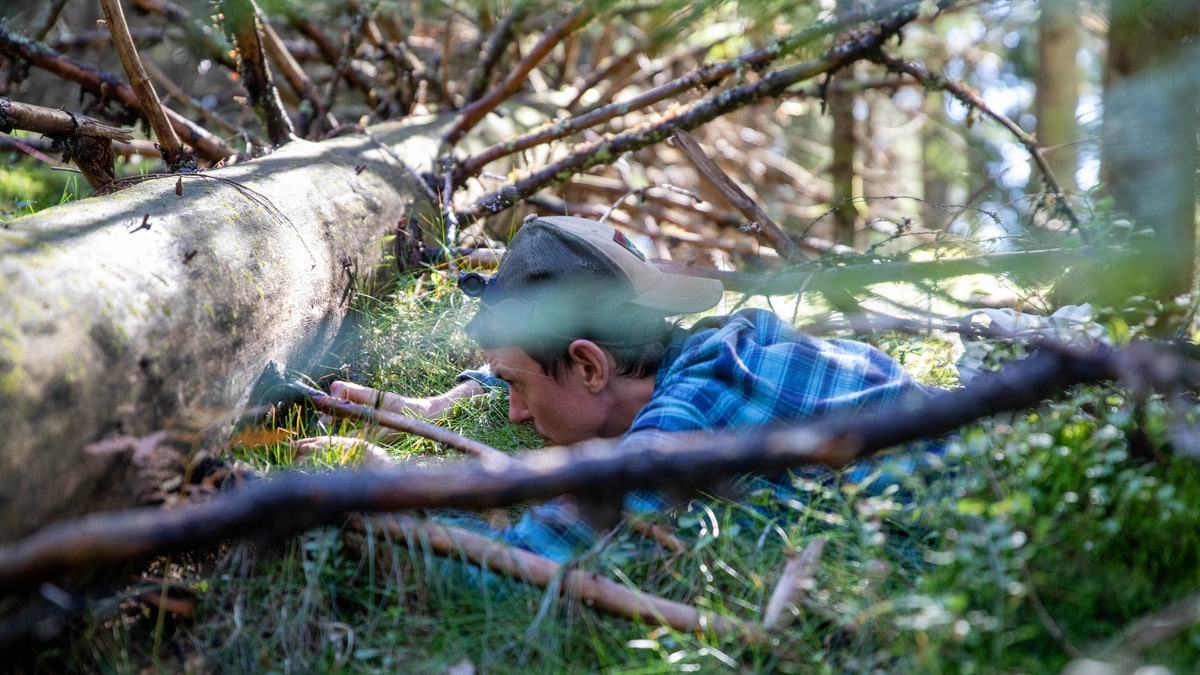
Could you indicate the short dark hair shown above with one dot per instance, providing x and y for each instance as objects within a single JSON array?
[{"x": 551, "y": 351}]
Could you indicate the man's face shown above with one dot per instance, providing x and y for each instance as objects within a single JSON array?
[{"x": 561, "y": 412}]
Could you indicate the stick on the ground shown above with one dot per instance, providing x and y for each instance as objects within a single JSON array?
[
  {"x": 386, "y": 418},
  {"x": 792, "y": 583},
  {"x": 591, "y": 589}
]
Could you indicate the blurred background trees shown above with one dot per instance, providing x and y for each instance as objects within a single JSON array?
[{"x": 850, "y": 161}]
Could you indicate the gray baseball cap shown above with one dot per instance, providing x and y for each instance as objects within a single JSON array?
[{"x": 561, "y": 275}]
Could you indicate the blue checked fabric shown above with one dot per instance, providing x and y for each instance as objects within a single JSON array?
[{"x": 748, "y": 369}]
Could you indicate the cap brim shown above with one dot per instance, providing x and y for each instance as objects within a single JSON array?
[{"x": 681, "y": 294}]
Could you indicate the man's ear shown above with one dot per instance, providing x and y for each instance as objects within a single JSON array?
[{"x": 592, "y": 364}]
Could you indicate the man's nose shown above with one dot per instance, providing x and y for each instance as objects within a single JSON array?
[{"x": 518, "y": 412}]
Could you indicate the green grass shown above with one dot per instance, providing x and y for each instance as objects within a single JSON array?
[
  {"x": 26, "y": 189},
  {"x": 1050, "y": 506}
]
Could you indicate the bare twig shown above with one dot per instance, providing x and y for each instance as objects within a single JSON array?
[
  {"x": 560, "y": 129},
  {"x": 497, "y": 42},
  {"x": 290, "y": 69},
  {"x": 329, "y": 51},
  {"x": 175, "y": 91},
  {"x": 346, "y": 55},
  {"x": 391, "y": 420},
  {"x": 174, "y": 154},
  {"x": 606, "y": 150},
  {"x": 972, "y": 99},
  {"x": 107, "y": 86},
  {"x": 788, "y": 250},
  {"x": 46, "y": 18},
  {"x": 472, "y": 114},
  {"x": 586, "y": 587}
]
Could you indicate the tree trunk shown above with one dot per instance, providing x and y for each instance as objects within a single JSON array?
[
  {"x": 1149, "y": 149},
  {"x": 1057, "y": 93},
  {"x": 128, "y": 313}
]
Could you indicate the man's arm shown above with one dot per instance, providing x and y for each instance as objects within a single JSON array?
[{"x": 429, "y": 407}]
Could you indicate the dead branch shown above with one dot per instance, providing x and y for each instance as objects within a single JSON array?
[
  {"x": 175, "y": 155},
  {"x": 588, "y": 588},
  {"x": 342, "y": 65},
  {"x": 105, "y": 87},
  {"x": 47, "y": 17},
  {"x": 972, "y": 99},
  {"x": 55, "y": 122},
  {"x": 291, "y": 70},
  {"x": 606, "y": 150},
  {"x": 175, "y": 91},
  {"x": 82, "y": 139},
  {"x": 329, "y": 52},
  {"x": 497, "y": 42},
  {"x": 703, "y": 76},
  {"x": 472, "y": 114},
  {"x": 687, "y": 143},
  {"x": 594, "y": 471},
  {"x": 37, "y": 147},
  {"x": 241, "y": 25}
]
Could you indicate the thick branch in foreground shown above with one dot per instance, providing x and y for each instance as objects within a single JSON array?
[{"x": 593, "y": 471}]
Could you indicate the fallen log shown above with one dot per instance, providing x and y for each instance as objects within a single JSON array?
[{"x": 163, "y": 302}]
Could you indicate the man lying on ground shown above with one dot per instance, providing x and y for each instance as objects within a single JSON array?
[{"x": 575, "y": 324}]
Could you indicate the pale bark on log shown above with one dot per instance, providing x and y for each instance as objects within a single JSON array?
[{"x": 127, "y": 313}]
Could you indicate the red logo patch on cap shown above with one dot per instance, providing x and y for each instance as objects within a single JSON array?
[{"x": 621, "y": 239}]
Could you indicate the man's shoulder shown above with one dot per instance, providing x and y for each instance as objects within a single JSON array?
[{"x": 764, "y": 324}]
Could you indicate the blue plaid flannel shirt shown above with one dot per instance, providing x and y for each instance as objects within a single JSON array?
[{"x": 748, "y": 369}]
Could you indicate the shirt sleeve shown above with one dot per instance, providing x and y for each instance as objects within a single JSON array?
[{"x": 483, "y": 375}]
